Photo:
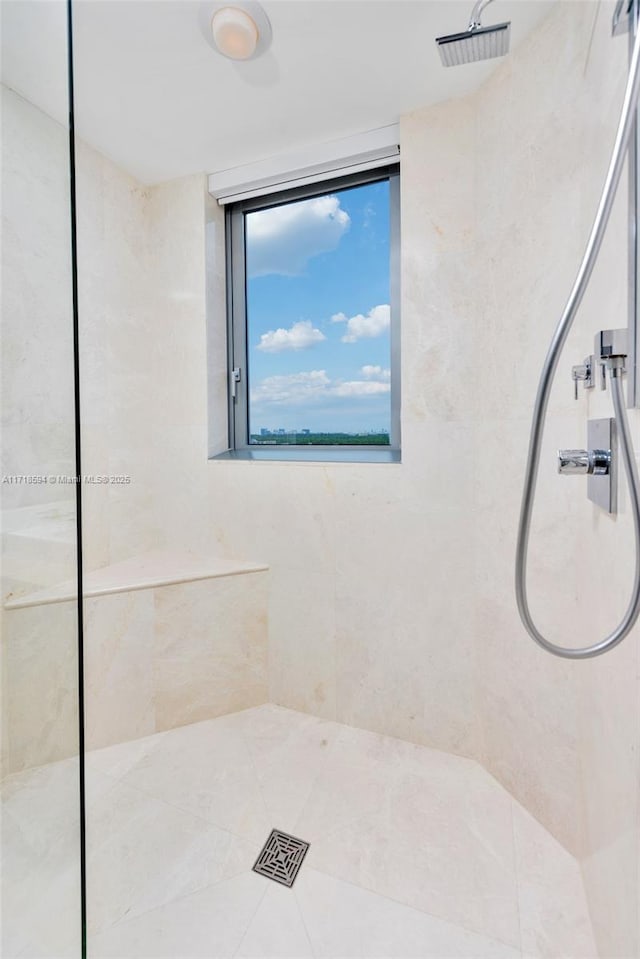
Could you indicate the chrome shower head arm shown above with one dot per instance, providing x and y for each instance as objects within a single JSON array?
[{"x": 476, "y": 13}]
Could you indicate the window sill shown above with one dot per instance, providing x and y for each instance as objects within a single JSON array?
[{"x": 317, "y": 454}]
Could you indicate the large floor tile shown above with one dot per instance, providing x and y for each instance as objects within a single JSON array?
[
  {"x": 117, "y": 760},
  {"x": 420, "y": 827},
  {"x": 206, "y": 770},
  {"x": 208, "y": 924},
  {"x": 288, "y": 757},
  {"x": 277, "y": 930},
  {"x": 346, "y": 922},
  {"x": 415, "y": 853},
  {"x": 354, "y": 783},
  {"x": 40, "y": 879},
  {"x": 142, "y": 853}
]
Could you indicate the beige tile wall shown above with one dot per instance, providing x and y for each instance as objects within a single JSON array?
[
  {"x": 392, "y": 591},
  {"x": 391, "y": 599},
  {"x": 563, "y": 737}
]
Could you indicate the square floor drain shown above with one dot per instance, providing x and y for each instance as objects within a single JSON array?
[{"x": 281, "y": 857}]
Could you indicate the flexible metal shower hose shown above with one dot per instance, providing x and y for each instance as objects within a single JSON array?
[{"x": 625, "y": 127}]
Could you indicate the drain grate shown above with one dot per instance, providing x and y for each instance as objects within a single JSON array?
[{"x": 281, "y": 857}]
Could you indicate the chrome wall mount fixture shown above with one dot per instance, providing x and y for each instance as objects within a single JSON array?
[
  {"x": 602, "y": 486},
  {"x": 610, "y": 353},
  {"x": 585, "y": 462},
  {"x": 598, "y": 463},
  {"x": 476, "y": 42},
  {"x": 622, "y": 15},
  {"x": 583, "y": 373}
]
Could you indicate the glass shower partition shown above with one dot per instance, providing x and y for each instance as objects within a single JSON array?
[{"x": 41, "y": 730}]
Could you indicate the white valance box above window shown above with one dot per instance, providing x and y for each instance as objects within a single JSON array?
[{"x": 320, "y": 162}]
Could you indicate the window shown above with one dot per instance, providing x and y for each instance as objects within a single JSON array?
[{"x": 313, "y": 320}]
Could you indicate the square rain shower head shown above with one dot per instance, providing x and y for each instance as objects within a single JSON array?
[{"x": 483, "y": 43}]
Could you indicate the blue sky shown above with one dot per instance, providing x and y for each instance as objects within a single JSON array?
[{"x": 318, "y": 312}]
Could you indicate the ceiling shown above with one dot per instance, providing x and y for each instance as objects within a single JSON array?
[{"x": 152, "y": 95}]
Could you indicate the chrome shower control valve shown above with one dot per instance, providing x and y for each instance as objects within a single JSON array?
[
  {"x": 583, "y": 372},
  {"x": 584, "y": 462},
  {"x": 598, "y": 463}
]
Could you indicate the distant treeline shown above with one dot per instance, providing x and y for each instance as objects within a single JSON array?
[{"x": 321, "y": 439}]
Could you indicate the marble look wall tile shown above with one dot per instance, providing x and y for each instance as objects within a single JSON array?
[
  {"x": 438, "y": 313},
  {"x": 154, "y": 659},
  {"x": 610, "y": 879},
  {"x": 530, "y": 723},
  {"x": 134, "y": 525},
  {"x": 562, "y": 737},
  {"x": 440, "y": 461},
  {"x": 40, "y": 447},
  {"x": 119, "y": 641},
  {"x": 302, "y": 650},
  {"x": 179, "y": 481},
  {"x": 206, "y": 664},
  {"x": 36, "y": 303},
  {"x": 40, "y": 684},
  {"x": 242, "y": 526},
  {"x": 404, "y": 643},
  {"x": 553, "y": 911},
  {"x": 38, "y": 545},
  {"x": 610, "y": 720}
]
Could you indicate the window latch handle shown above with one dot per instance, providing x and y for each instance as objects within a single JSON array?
[{"x": 235, "y": 379}]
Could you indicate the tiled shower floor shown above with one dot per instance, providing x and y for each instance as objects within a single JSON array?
[{"x": 414, "y": 853}]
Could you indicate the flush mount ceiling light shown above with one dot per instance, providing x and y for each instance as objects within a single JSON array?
[
  {"x": 234, "y": 33},
  {"x": 239, "y": 31}
]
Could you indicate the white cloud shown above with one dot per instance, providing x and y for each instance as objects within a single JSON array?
[
  {"x": 291, "y": 387},
  {"x": 339, "y": 318},
  {"x": 360, "y": 388},
  {"x": 283, "y": 239},
  {"x": 298, "y": 337},
  {"x": 375, "y": 373},
  {"x": 312, "y": 385},
  {"x": 361, "y": 327}
]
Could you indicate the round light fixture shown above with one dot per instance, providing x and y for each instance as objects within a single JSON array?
[
  {"x": 235, "y": 33},
  {"x": 239, "y": 31}
]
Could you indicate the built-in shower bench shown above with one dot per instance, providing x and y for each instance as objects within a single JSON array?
[
  {"x": 169, "y": 638},
  {"x": 149, "y": 571}
]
